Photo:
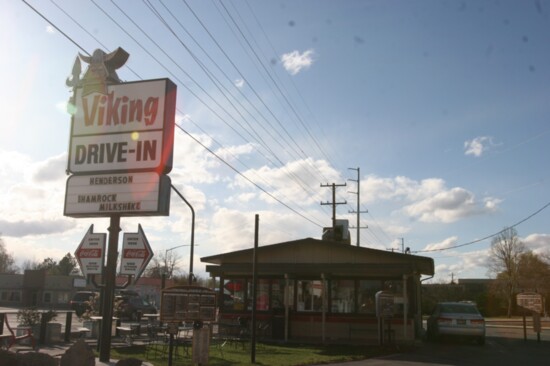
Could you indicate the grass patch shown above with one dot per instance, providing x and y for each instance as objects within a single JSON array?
[{"x": 266, "y": 354}]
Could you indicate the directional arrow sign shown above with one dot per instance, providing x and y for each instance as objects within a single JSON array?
[
  {"x": 90, "y": 254},
  {"x": 136, "y": 254}
]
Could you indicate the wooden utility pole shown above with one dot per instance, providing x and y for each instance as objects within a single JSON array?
[
  {"x": 358, "y": 212},
  {"x": 333, "y": 203}
]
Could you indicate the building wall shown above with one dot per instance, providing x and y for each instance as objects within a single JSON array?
[
  {"x": 339, "y": 324},
  {"x": 46, "y": 291},
  {"x": 11, "y": 290}
]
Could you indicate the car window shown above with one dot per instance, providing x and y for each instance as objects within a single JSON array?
[
  {"x": 136, "y": 301},
  {"x": 459, "y": 309},
  {"x": 82, "y": 296}
]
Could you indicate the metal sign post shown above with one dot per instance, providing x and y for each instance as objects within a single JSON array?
[
  {"x": 530, "y": 301},
  {"x": 109, "y": 290}
]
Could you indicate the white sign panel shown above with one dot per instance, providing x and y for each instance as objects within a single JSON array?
[
  {"x": 90, "y": 254},
  {"x": 136, "y": 253},
  {"x": 131, "y": 128},
  {"x": 131, "y": 194},
  {"x": 531, "y": 301},
  {"x": 121, "y": 152}
]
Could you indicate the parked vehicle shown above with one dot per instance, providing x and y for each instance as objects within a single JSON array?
[
  {"x": 80, "y": 301},
  {"x": 133, "y": 306},
  {"x": 456, "y": 319}
]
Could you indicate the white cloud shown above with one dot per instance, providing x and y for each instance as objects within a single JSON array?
[
  {"x": 478, "y": 145},
  {"x": 538, "y": 243},
  {"x": 51, "y": 169},
  {"x": 35, "y": 227},
  {"x": 239, "y": 83},
  {"x": 459, "y": 264},
  {"x": 447, "y": 243},
  {"x": 194, "y": 165},
  {"x": 233, "y": 152},
  {"x": 294, "y": 62},
  {"x": 290, "y": 183},
  {"x": 446, "y": 206},
  {"x": 428, "y": 200},
  {"x": 232, "y": 229}
]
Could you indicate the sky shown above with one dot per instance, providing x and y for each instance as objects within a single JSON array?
[{"x": 439, "y": 109}]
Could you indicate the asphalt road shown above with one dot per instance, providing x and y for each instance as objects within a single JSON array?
[
  {"x": 496, "y": 351},
  {"x": 504, "y": 346}
]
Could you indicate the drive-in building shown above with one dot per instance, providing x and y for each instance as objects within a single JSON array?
[{"x": 324, "y": 291}]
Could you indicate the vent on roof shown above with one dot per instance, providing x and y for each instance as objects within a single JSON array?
[{"x": 340, "y": 233}]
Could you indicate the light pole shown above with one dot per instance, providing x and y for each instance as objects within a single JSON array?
[{"x": 192, "y": 233}]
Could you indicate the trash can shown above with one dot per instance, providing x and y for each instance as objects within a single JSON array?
[{"x": 278, "y": 327}]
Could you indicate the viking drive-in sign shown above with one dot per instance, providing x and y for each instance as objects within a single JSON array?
[{"x": 121, "y": 149}]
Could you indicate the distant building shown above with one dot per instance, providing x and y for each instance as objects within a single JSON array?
[{"x": 35, "y": 288}]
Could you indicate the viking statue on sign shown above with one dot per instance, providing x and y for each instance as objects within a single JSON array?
[{"x": 101, "y": 71}]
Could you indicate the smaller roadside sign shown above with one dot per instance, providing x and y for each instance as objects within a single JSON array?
[
  {"x": 530, "y": 300},
  {"x": 187, "y": 303},
  {"x": 90, "y": 254},
  {"x": 136, "y": 253}
]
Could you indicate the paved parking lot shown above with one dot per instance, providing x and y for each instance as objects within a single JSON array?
[{"x": 504, "y": 346}]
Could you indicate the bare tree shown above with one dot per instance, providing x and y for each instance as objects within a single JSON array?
[
  {"x": 7, "y": 262},
  {"x": 165, "y": 263},
  {"x": 29, "y": 264},
  {"x": 504, "y": 263}
]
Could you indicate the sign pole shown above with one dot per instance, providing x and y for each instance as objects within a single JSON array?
[
  {"x": 524, "y": 327},
  {"x": 254, "y": 289},
  {"x": 108, "y": 293}
]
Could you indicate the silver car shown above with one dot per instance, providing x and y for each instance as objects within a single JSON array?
[{"x": 456, "y": 319}]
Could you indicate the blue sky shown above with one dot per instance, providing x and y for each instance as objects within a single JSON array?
[{"x": 443, "y": 105}]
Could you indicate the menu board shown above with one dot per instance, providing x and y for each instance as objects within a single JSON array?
[{"x": 187, "y": 303}]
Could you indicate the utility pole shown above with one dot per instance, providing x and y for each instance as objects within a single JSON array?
[
  {"x": 333, "y": 203},
  {"x": 358, "y": 212}
]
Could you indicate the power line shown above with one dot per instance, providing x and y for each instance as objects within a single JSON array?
[
  {"x": 218, "y": 84},
  {"x": 196, "y": 140},
  {"x": 57, "y": 28},
  {"x": 245, "y": 177},
  {"x": 488, "y": 236}
]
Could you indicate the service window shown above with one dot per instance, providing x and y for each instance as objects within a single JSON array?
[
  {"x": 262, "y": 295},
  {"x": 309, "y": 295},
  {"x": 234, "y": 294},
  {"x": 342, "y": 296},
  {"x": 278, "y": 295},
  {"x": 366, "y": 296}
]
